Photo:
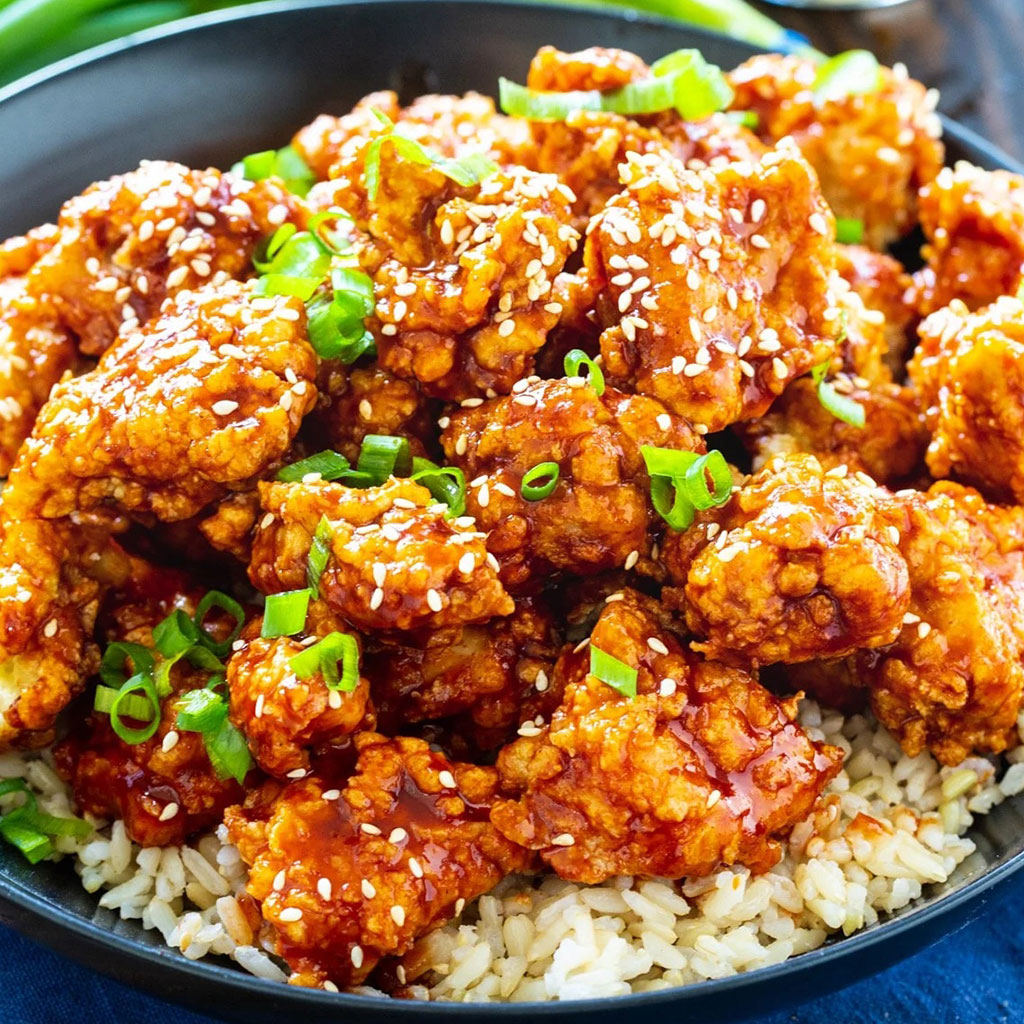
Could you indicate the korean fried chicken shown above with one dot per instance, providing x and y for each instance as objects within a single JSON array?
[
  {"x": 872, "y": 148},
  {"x": 668, "y": 783},
  {"x": 801, "y": 564},
  {"x": 347, "y": 872},
  {"x": 598, "y": 516},
  {"x": 395, "y": 561},
  {"x": 716, "y": 283},
  {"x": 205, "y": 397}
]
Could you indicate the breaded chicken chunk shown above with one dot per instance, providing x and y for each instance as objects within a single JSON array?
[
  {"x": 489, "y": 678},
  {"x": 395, "y": 561},
  {"x": 127, "y": 243},
  {"x": 35, "y": 350},
  {"x": 177, "y": 414},
  {"x": 349, "y": 872},
  {"x": 969, "y": 369},
  {"x": 164, "y": 788},
  {"x": 973, "y": 221},
  {"x": 599, "y": 514},
  {"x": 801, "y": 564},
  {"x": 281, "y": 715},
  {"x": 872, "y": 150},
  {"x": 717, "y": 284},
  {"x": 52, "y": 576},
  {"x": 953, "y": 680},
  {"x": 702, "y": 767}
]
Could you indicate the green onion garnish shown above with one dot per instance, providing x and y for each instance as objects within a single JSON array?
[
  {"x": 578, "y": 358},
  {"x": 138, "y": 684},
  {"x": 29, "y": 829},
  {"x": 746, "y": 118},
  {"x": 849, "y": 230},
  {"x": 285, "y": 614},
  {"x": 852, "y": 73},
  {"x": 200, "y": 710},
  {"x": 695, "y": 481},
  {"x": 336, "y": 320},
  {"x": 285, "y": 164},
  {"x": 206, "y": 712},
  {"x": 668, "y": 462},
  {"x": 616, "y": 674},
  {"x": 175, "y": 634},
  {"x": 332, "y": 229},
  {"x": 382, "y": 456},
  {"x": 841, "y": 406},
  {"x": 329, "y": 464},
  {"x": 291, "y": 262},
  {"x": 115, "y": 657},
  {"x": 217, "y": 599},
  {"x": 325, "y": 656},
  {"x": 131, "y": 705},
  {"x": 679, "y": 483},
  {"x": 670, "y": 502},
  {"x": 319, "y": 553},
  {"x": 466, "y": 170},
  {"x": 682, "y": 81},
  {"x": 446, "y": 484},
  {"x": 539, "y": 482}
]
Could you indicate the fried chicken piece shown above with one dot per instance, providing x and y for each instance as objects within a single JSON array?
[
  {"x": 882, "y": 284},
  {"x": 127, "y": 243},
  {"x": 703, "y": 767},
  {"x": 52, "y": 576},
  {"x": 348, "y": 875},
  {"x": 804, "y": 564},
  {"x": 599, "y": 515},
  {"x": 281, "y": 715},
  {"x": 164, "y": 789},
  {"x": 396, "y": 562},
  {"x": 872, "y": 151},
  {"x": 969, "y": 369},
  {"x": 372, "y": 401},
  {"x": 889, "y": 448},
  {"x": 177, "y": 414},
  {"x": 718, "y": 283},
  {"x": 230, "y": 526},
  {"x": 490, "y": 677},
  {"x": 973, "y": 221},
  {"x": 34, "y": 350},
  {"x": 953, "y": 680},
  {"x": 585, "y": 148}
]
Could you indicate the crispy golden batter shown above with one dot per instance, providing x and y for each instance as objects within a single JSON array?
[
  {"x": 281, "y": 715},
  {"x": 492, "y": 676},
  {"x": 702, "y": 767},
  {"x": 599, "y": 515},
  {"x": 348, "y": 875},
  {"x": 969, "y": 368},
  {"x": 872, "y": 151},
  {"x": 140, "y": 783},
  {"x": 889, "y": 448},
  {"x": 803, "y": 564},
  {"x": 974, "y": 224},
  {"x": 953, "y": 680},
  {"x": 176, "y": 414},
  {"x": 127, "y": 243},
  {"x": 34, "y": 350},
  {"x": 396, "y": 562},
  {"x": 52, "y": 576},
  {"x": 717, "y": 283}
]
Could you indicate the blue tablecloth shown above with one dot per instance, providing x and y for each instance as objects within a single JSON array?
[{"x": 973, "y": 977}]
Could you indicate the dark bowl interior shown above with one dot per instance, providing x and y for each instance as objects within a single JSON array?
[{"x": 232, "y": 83}]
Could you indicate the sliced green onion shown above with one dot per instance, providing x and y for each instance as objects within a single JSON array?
[
  {"x": 578, "y": 358},
  {"x": 329, "y": 464},
  {"x": 137, "y": 684},
  {"x": 746, "y": 118},
  {"x": 333, "y": 239},
  {"x": 291, "y": 263},
  {"x": 175, "y": 634},
  {"x": 445, "y": 483},
  {"x": 228, "y": 752},
  {"x": 852, "y": 73},
  {"x": 669, "y": 462},
  {"x": 285, "y": 614},
  {"x": 132, "y": 705},
  {"x": 324, "y": 657},
  {"x": 695, "y": 482},
  {"x": 466, "y": 170},
  {"x": 319, "y": 553},
  {"x": 29, "y": 829},
  {"x": 539, "y": 482},
  {"x": 114, "y": 659},
  {"x": 285, "y": 164},
  {"x": 336, "y": 321},
  {"x": 200, "y": 710},
  {"x": 218, "y": 599},
  {"x": 382, "y": 456},
  {"x": 679, "y": 483},
  {"x": 519, "y": 101},
  {"x": 616, "y": 674},
  {"x": 841, "y": 406},
  {"x": 849, "y": 230},
  {"x": 670, "y": 502},
  {"x": 31, "y": 843}
]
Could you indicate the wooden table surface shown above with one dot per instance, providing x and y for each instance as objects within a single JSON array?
[{"x": 971, "y": 50}]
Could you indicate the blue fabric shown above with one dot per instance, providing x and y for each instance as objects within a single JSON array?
[{"x": 973, "y": 977}]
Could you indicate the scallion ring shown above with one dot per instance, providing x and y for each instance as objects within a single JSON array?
[
  {"x": 576, "y": 359},
  {"x": 319, "y": 553},
  {"x": 382, "y": 456},
  {"x": 695, "y": 481},
  {"x": 325, "y": 656},
  {"x": 175, "y": 634},
  {"x": 670, "y": 502},
  {"x": 200, "y": 710},
  {"x": 539, "y": 482},
  {"x": 853, "y": 73},
  {"x": 117, "y": 655},
  {"x": 218, "y": 599},
  {"x": 445, "y": 483},
  {"x": 285, "y": 614},
  {"x": 143, "y": 684},
  {"x": 841, "y": 406},
  {"x": 330, "y": 465}
]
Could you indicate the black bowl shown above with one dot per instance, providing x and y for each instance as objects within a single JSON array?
[{"x": 215, "y": 87}]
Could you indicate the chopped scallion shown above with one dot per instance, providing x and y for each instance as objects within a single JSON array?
[
  {"x": 319, "y": 553},
  {"x": 382, "y": 456},
  {"x": 284, "y": 163},
  {"x": 138, "y": 684},
  {"x": 329, "y": 464},
  {"x": 217, "y": 599},
  {"x": 540, "y": 482},
  {"x": 576, "y": 359},
  {"x": 616, "y": 674},
  {"x": 849, "y": 230},
  {"x": 117, "y": 655},
  {"x": 852, "y": 73},
  {"x": 445, "y": 483},
  {"x": 841, "y": 406},
  {"x": 325, "y": 656},
  {"x": 285, "y": 614}
]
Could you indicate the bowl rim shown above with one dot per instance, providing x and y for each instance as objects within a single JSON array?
[{"x": 31, "y": 908}]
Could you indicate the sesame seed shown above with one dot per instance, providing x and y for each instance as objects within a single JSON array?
[
  {"x": 376, "y": 599},
  {"x": 582, "y": 645},
  {"x": 666, "y": 687},
  {"x": 894, "y": 535},
  {"x": 467, "y": 563},
  {"x": 506, "y": 327},
  {"x": 370, "y": 830},
  {"x": 170, "y": 741},
  {"x": 367, "y": 888},
  {"x": 713, "y": 797},
  {"x": 169, "y": 812},
  {"x": 664, "y": 421},
  {"x": 460, "y": 906},
  {"x": 540, "y": 684},
  {"x": 564, "y": 839},
  {"x": 415, "y": 868},
  {"x": 434, "y": 601},
  {"x": 493, "y": 562},
  {"x": 329, "y": 986},
  {"x": 757, "y": 210},
  {"x": 483, "y": 496},
  {"x": 146, "y": 229},
  {"x": 107, "y": 284},
  {"x": 656, "y": 645},
  {"x": 818, "y": 223},
  {"x": 380, "y": 573},
  {"x": 446, "y": 779},
  {"x": 324, "y": 888},
  {"x": 399, "y": 310},
  {"x": 290, "y": 914},
  {"x": 225, "y": 407},
  {"x": 388, "y": 329},
  {"x": 331, "y": 794},
  {"x": 632, "y": 558},
  {"x": 356, "y": 956},
  {"x": 278, "y": 883},
  {"x": 779, "y": 368},
  {"x": 760, "y": 242},
  {"x": 176, "y": 276},
  {"x": 297, "y": 773},
  {"x": 398, "y": 915},
  {"x": 50, "y": 629},
  {"x": 923, "y": 629}
]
